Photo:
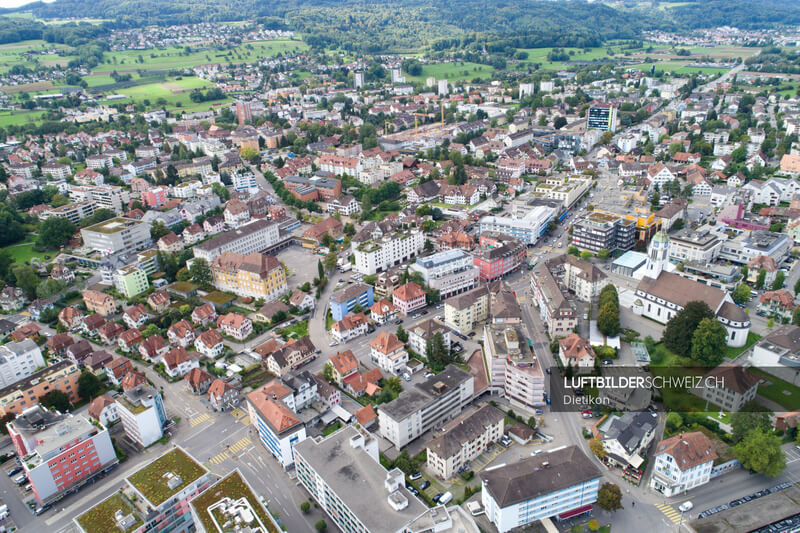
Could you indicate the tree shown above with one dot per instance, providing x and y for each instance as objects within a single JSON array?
[
  {"x": 674, "y": 421},
  {"x": 603, "y": 254},
  {"x": 158, "y": 230},
  {"x": 680, "y": 329},
  {"x": 89, "y": 385},
  {"x": 150, "y": 330},
  {"x": 201, "y": 272},
  {"x": 305, "y": 507},
  {"x": 330, "y": 261},
  {"x": 50, "y": 288},
  {"x": 250, "y": 154},
  {"x": 27, "y": 279},
  {"x": 327, "y": 372},
  {"x": 559, "y": 122},
  {"x": 751, "y": 417},
  {"x": 532, "y": 422},
  {"x": 349, "y": 229},
  {"x": 402, "y": 334},
  {"x": 761, "y": 452},
  {"x": 320, "y": 269},
  {"x": 606, "y": 137},
  {"x": 609, "y": 497},
  {"x": 596, "y": 445},
  {"x": 762, "y": 276},
  {"x": 586, "y": 255},
  {"x": 55, "y": 399},
  {"x": 321, "y": 525},
  {"x": 780, "y": 278},
  {"x": 393, "y": 384},
  {"x": 608, "y": 320},
  {"x": 708, "y": 342},
  {"x": 741, "y": 293},
  {"x": 55, "y": 232},
  {"x": 221, "y": 191},
  {"x": 797, "y": 287}
]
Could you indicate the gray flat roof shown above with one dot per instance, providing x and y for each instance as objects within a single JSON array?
[
  {"x": 423, "y": 393},
  {"x": 358, "y": 480}
]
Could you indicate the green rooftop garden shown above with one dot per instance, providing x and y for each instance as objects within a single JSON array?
[
  {"x": 100, "y": 518},
  {"x": 150, "y": 480},
  {"x": 234, "y": 487},
  {"x": 219, "y": 298},
  {"x": 182, "y": 287}
]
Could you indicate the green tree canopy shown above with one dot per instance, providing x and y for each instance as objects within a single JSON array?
[
  {"x": 201, "y": 272},
  {"x": 89, "y": 385},
  {"x": 56, "y": 399},
  {"x": 741, "y": 293},
  {"x": 708, "y": 342},
  {"x": 609, "y": 497},
  {"x": 761, "y": 452},
  {"x": 680, "y": 329},
  {"x": 752, "y": 416},
  {"x": 54, "y": 233}
]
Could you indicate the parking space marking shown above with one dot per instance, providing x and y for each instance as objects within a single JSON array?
[
  {"x": 670, "y": 512},
  {"x": 199, "y": 419}
]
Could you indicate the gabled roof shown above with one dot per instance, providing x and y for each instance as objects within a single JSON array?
[
  {"x": 344, "y": 362},
  {"x": 98, "y": 404},
  {"x": 386, "y": 343},
  {"x": 688, "y": 449}
]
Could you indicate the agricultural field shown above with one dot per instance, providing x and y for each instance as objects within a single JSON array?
[
  {"x": 13, "y": 54},
  {"x": 455, "y": 71},
  {"x": 18, "y": 118},
  {"x": 172, "y": 93},
  {"x": 172, "y": 58}
]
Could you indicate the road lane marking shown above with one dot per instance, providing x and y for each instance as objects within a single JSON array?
[
  {"x": 199, "y": 419},
  {"x": 669, "y": 512},
  {"x": 219, "y": 458}
]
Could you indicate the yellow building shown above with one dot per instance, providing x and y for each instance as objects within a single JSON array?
[
  {"x": 647, "y": 223},
  {"x": 255, "y": 275},
  {"x": 465, "y": 311}
]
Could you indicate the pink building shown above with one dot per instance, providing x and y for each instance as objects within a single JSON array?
[
  {"x": 408, "y": 297},
  {"x": 155, "y": 197}
]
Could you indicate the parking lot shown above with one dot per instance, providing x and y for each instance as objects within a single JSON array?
[{"x": 302, "y": 264}]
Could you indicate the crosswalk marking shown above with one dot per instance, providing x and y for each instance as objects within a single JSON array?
[
  {"x": 240, "y": 445},
  {"x": 219, "y": 458},
  {"x": 199, "y": 419},
  {"x": 670, "y": 513}
]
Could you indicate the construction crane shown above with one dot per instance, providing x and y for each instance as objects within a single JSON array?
[{"x": 416, "y": 121}]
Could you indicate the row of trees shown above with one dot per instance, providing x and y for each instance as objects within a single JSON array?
[
  {"x": 608, "y": 311},
  {"x": 695, "y": 332}
]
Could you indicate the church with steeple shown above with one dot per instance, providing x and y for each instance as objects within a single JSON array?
[{"x": 662, "y": 293}]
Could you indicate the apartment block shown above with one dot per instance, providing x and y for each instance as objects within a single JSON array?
[
  {"x": 498, "y": 255},
  {"x": 450, "y": 272},
  {"x": 279, "y": 429},
  {"x": 257, "y": 236},
  {"x": 73, "y": 212},
  {"x": 104, "y": 196},
  {"x": 117, "y": 235},
  {"x": 465, "y": 311},
  {"x": 599, "y": 231},
  {"x": 22, "y": 395},
  {"x": 143, "y": 415},
  {"x": 464, "y": 439},
  {"x": 558, "y": 313},
  {"x": 131, "y": 280},
  {"x": 426, "y": 405},
  {"x": 375, "y": 256},
  {"x": 59, "y": 453},
  {"x": 18, "y": 361},
  {"x": 514, "y": 369}
]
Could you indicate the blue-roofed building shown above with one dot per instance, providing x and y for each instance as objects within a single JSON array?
[
  {"x": 629, "y": 263},
  {"x": 450, "y": 272},
  {"x": 344, "y": 300}
]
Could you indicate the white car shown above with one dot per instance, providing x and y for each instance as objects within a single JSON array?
[{"x": 686, "y": 506}]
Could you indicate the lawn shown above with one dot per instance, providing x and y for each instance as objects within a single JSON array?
[
  {"x": 331, "y": 428},
  {"x": 172, "y": 93},
  {"x": 296, "y": 331},
  {"x": 779, "y": 391},
  {"x": 733, "y": 353},
  {"x": 24, "y": 252},
  {"x": 454, "y": 71}
]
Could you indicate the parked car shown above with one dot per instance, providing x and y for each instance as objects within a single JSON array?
[
  {"x": 424, "y": 485},
  {"x": 438, "y": 497},
  {"x": 685, "y": 506},
  {"x": 415, "y": 476},
  {"x": 14, "y": 471}
]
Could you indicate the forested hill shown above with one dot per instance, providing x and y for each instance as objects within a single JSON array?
[{"x": 397, "y": 25}]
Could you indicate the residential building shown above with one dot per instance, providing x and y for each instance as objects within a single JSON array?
[
  {"x": 302, "y": 300},
  {"x": 154, "y": 497},
  {"x": 602, "y": 231},
  {"x": 576, "y": 352},
  {"x": 257, "y": 236},
  {"x": 778, "y": 303},
  {"x": 561, "y": 484},
  {"x": 780, "y": 347},
  {"x": 375, "y": 256},
  {"x": 117, "y": 369},
  {"x": 329, "y": 468},
  {"x": 74, "y": 212},
  {"x": 136, "y": 316},
  {"x": 142, "y": 412},
  {"x": 463, "y": 439},
  {"x": 514, "y": 369},
  {"x": 12, "y": 299},
  {"x": 382, "y": 311},
  {"x": 408, "y": 297},
  {"x": 558, "y": 313},
  {"x": 198, "y": 380},
  {"x": 178, "y": 363},
  {"x": 19, "y": 360},
  {"x": 59, "y": 453},
  {"x": 498, "y": 255},
  {"x": 103, "y": 409},
  {"x": 204, "y": 315},
  {"x": 602, "y": 116},
  {"x": 153, "y": 348},
  {"x": 99, "y": 302},
  {"x": 627, "y": 437},
  {"x": 581, "y": 278},
  {"x": 344, "y": 300},
  {"x": 209, "y": 343},
  {"x": 117, "y": 235},
  {"x": 279, "y": 430},
  {"x": 693, "y": 245},
  {"x": 104, "y": 196},
  {"x": 729, "y": 386},
  {"x": 236, "y": 213},
  {"x": 344, "y": 365},
  {"x": 170, "y": 244},
  {"x": 425, "y": 405},
  {"x": 450, "y": 272},
  {"x": 181, "y": 334},
  {"x": 748, "y": 245},
  {"x": 25, "y": 393},
  {"x": 131, "y": 281},
  {"x": 681, "y": 463},
  {"x": 255, "y": 275},
  {"x": 389, "y": 353},
  {"x": 223, "y": 395},
  {"x": 293, "y": 354},
  {"x": 423, "y": 332},
  {"x": 235, "y": 325},
  {"x": 352, "y": 326},
  {"x": 465, "y": 311}
]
